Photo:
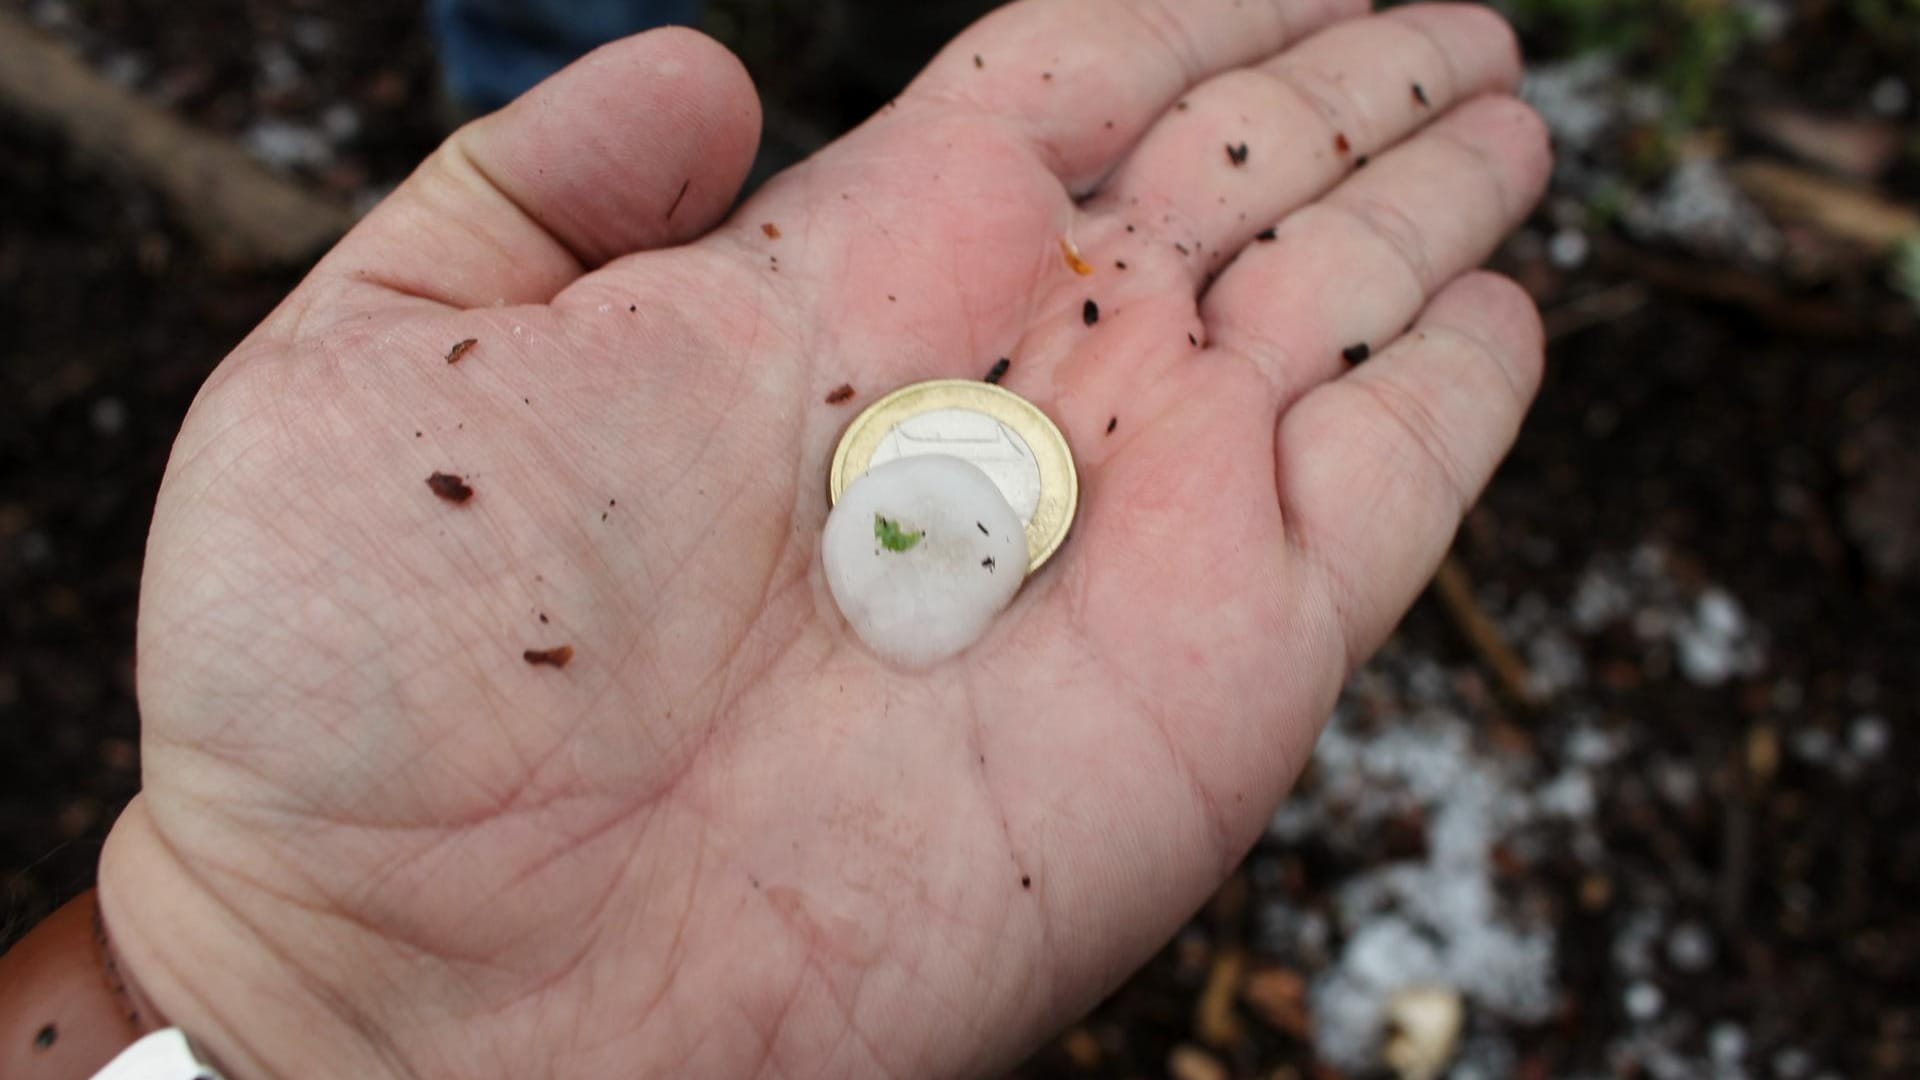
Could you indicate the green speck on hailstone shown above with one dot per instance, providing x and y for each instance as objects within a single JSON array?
[{"x": 891, "y": 537}]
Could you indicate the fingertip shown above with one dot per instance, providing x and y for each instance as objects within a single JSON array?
[
  {"x": 1526, "y": 132},
  {"x": 642, "y": 143},
  {"x": 1496, "y": 311},
  {"x": 1512, "y": 140},
  {"x": 1512, "y": 307},
  {"x": 702, "y": 78},
  {"x": 1470, "y": 30}
]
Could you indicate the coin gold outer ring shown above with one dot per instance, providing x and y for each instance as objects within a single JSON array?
[{"x": 1059, "y": 480}]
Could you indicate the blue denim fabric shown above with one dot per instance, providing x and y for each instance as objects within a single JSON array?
[{"x": 492, "y": 51}]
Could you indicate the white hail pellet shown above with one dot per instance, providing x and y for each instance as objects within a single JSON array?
[{"x": 921, "y": 553}]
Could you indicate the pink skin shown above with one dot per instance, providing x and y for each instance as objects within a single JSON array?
[{"x": 724, "y": 839}]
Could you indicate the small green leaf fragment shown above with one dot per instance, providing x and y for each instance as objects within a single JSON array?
[{"x": 892, "y": 537}]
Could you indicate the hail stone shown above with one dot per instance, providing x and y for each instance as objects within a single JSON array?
[{"x": 920, "y": 554}]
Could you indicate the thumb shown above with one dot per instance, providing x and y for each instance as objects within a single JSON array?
[{"x": 641, "y": 144}]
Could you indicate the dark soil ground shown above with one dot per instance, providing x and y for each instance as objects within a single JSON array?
[{"x": 1781, "y": 467}]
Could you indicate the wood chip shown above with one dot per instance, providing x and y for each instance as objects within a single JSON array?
[
  {"x": 1188, "y": 1062},
  {"x": 450, "y": 487},
  {"x": 1763, "y": 753},
  {"x": 1423, "y": 1031},
  {"x": 1279, "y": 997},
  {"x": 1082, "y": 1048},
  {"x": 1074, "y": 262},
  {"x": 460, "y": 349},
  {"x": 554, "y": 657},
  {"x": 1214, "y": 1020}
]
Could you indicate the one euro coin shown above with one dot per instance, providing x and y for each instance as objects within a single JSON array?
[{"x": 1003, "y": 434}]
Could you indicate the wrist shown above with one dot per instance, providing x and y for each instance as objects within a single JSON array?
[{"x": 188, "y": 956}]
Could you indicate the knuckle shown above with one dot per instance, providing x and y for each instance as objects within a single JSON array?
[
  {"x": 1504, "y": 143},
  {"x": 1494, "y": 28},
  {"x": 1421, "y": 432},
  {"x": 1162, "y": 26},
  {"x": 1396, "y": 230},
  {"x": 1514, "y": 322},
  {"x": 1323, "y": 95}
]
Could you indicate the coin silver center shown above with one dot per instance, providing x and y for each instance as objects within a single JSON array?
[{"x": 974, "y": 437}]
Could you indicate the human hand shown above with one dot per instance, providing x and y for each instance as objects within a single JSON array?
[{"x": 724, "y": 839}]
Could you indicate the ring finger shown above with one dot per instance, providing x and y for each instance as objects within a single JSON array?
[
  {"x": 1344, "y": 275},
  {"x": 1246, "y": 148}
]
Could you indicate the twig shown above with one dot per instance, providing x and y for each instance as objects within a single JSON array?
[
  {"x": 1595, "y": 309},
  {"x": 1765, "y": 299},
  {"x": 1455, "y": 591},
  {"x": 240, "y": 213},
  {"x": 1214, "y": 1020},
  {"x": 1736, "y": 860},
  {"x": 1850, "y": 212}
]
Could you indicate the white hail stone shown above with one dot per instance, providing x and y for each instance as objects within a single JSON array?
[{"x": 962, "y": 557}]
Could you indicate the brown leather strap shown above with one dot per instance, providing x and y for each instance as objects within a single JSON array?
[{"x": 65, "y": 1007}]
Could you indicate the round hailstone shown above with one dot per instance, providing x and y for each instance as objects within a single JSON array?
[{"x": 921, "y": 553}]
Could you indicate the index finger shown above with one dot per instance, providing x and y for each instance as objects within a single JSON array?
[{"x": 1081, "y": 80}]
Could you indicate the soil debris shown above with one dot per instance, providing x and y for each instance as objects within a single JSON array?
[{"x": 450, "y": 487}]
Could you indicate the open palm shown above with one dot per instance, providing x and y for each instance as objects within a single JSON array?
[{"x": 724, "y": 839}]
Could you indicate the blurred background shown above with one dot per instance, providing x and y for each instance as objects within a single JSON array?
[{"x": 1634, "y": 792}]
